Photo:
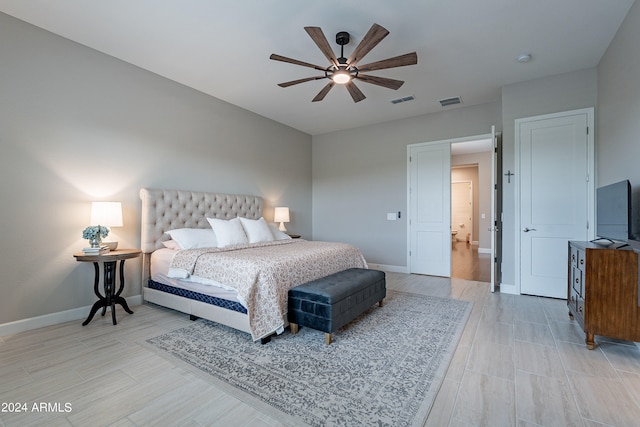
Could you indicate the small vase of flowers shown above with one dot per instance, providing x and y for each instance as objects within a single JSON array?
[{"x": 94, "y": 234}]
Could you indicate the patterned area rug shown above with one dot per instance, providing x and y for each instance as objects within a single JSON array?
[{"x": 384, "y": 368}]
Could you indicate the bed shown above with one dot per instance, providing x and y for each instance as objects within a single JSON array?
[{"x": 242, "y": 285}]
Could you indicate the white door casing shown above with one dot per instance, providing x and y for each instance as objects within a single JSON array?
[
  {"x": 554, "y": 202},
  {"x": 430, "y": 209}
]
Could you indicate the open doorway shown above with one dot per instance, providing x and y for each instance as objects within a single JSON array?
[
  {"x": 471, "y": 210},
  {"x": 429, "y": 237}
]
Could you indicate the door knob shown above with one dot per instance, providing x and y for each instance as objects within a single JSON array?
[{"x": 527, "y": 229}]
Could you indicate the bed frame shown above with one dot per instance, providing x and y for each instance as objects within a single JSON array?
[{"x": 164, "y": 210}]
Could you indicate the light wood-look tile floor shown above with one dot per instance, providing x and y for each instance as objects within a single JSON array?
[{"x": 520, "y": 362}]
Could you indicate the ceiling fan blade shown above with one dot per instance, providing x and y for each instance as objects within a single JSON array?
[
  {"x": 374, "y": 36},
  {"x": 396, "y": 61},
  {"x": 281, "y": 58},
  {"x": 355, "y": 93},
  {"x": 320, "y": 40},
  {"x": 325, "y": 90},
  {"x": 381, "y": 81},
  {"x": 295, "y": 82}
]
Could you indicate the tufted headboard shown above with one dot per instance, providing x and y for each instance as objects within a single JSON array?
[{"x": 164, "y": 210}]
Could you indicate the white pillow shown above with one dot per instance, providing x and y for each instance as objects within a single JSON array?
[
  {"x": 228, "y": 232},
  {"x": 172, "y": 244},
  {"x": 257, "y": 230},
  {"x": 192, "y": 238},
  {"x": 277, "y": 234}
]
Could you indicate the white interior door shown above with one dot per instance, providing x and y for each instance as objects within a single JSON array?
[
  {"x": 555, "y": 161},
  {"x": 430, "y": 209},
  {"x": 494, "y": 223}
]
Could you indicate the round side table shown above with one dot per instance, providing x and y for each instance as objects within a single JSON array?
[{"x": 111, "y": 297}]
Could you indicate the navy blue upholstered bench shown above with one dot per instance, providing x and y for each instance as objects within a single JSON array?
[{"x": 329, "y": 303}]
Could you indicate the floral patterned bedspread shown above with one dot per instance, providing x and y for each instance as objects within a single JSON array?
[{"x": 263, "y": 273}]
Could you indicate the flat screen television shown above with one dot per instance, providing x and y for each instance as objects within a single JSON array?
[{"x": 613, "y": 212}]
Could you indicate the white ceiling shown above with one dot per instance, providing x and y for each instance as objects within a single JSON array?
[{"x": 465, "y": 48}]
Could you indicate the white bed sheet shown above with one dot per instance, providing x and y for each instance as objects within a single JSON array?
[{"x": 160, "y": 262}]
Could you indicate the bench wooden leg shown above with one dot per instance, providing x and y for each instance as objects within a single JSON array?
[
  {"x": 294, "y": 328},
  {"x": 327, "y": 338},
  {"x": 381, "y": 302}
]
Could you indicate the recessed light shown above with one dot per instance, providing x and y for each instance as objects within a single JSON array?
[{"x": 524, "y": 58}]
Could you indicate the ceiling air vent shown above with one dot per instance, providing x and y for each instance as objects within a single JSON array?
[
  {"x": 405, "y": 99},
  {"x": 451, "y": 101}
]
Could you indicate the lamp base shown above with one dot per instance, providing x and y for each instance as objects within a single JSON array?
[
  {"x": 111, "y": 245},
  {"x": 282, "y": 227}
]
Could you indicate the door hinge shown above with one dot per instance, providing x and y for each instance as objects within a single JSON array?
[{"x": 587, "y": 130}]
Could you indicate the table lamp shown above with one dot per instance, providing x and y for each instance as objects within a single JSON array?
[
  {"x": 107, "y": 214},
  {"x": 281, "y": 215}
]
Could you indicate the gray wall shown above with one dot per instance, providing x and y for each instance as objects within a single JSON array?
[
  {"x": 78, "y": 126},
  {"x": 360, "y": 175},
  {"x": 618, "y": 118}
]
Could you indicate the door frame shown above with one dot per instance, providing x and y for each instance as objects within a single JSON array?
[
  {"x": 490, "y": 135},
  {"x": 591, "y": 178}
]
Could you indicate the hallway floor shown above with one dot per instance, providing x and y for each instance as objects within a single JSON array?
[{"x": 468, "y": 264}]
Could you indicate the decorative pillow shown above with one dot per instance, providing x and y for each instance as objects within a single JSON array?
[
  {"x": 172, "y": 244},
  {"x": 257, "y": 230},
  {"x": 228, "y": 232},
  {"x": 277, "y": 234},
  {"x": 192, "y": 238}
]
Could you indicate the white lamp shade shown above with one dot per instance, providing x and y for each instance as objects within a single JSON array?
[
  {"x": 107, "y": 214},
  {"x": 281, "y": 214}
]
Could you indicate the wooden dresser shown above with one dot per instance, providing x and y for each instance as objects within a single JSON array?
[{"x": 603, "y": 291}]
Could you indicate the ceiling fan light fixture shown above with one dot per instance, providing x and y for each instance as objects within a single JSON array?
[
  {"x": 341, "y": 77},
  {"x": 344, "y": 71}
]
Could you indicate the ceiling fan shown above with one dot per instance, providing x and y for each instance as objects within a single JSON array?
[{"x": 343, "y": 70}]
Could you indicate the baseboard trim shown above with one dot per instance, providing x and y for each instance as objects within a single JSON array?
[
  {"x": 23, "y": 325},
  {"x": 390, "y": 268},
  {"x": 509, "y": 289}
]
